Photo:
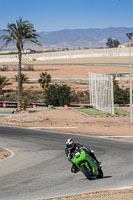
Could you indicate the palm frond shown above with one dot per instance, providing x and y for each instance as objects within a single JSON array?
[
  {"x": 5, "y": 44},
  {"x": 19, "y": 32},
  {"x": 32, "y": 40}
]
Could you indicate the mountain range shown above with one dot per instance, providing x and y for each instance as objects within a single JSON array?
[{"x": 79, "y": 38}]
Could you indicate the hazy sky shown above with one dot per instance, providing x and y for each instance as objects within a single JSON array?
[{"x": 52, "y": 15}]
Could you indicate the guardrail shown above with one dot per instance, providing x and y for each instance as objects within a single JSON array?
[
  {"x": 119, "y": 77},
  {"x": 64, "y": 80},
  {"x": 6, "y": 104}
]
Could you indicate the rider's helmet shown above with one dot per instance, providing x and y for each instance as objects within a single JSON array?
[{"x": 70, "y": 143}]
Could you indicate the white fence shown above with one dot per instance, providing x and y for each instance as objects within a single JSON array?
[
  {"x": 2, "y": 60},
  {"x": 101, "y": 92},
  {"x": 94, "y": 55},
  {"x": 69, "y": 56}
]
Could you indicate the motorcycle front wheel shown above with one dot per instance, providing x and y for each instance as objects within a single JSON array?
[{"x": 86, "y": 172}]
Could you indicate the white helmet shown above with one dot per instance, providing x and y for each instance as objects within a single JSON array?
[{"x": 70, "y": 143}]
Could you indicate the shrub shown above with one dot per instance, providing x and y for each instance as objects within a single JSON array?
[
  {"x": 58, "y": 95},
  {"x": 25, "y": 101},
  {"x": 121, "y": 96},
  {"x": 44, "y": 80},
  {"x": 4, "y": 68},
  {"x": 80, "y": 97},
  {"x": 36, "y": 97},
  {"x": 4, "y": 81},
  {"x": 28, "y": 68}
]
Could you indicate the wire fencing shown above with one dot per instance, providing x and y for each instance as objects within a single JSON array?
[{"x": 101, "y": 92}]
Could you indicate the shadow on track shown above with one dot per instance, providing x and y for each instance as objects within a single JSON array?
[{"x": 96, "y": 178}]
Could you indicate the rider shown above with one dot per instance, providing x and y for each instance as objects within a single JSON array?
[{"x": 71, "y": 146}]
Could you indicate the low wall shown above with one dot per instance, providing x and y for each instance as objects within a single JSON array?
[{"x": 89, "y": 53}]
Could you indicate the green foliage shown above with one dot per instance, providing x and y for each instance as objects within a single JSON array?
[
  {"x": 80, "y": 97},
  {"x": 58, "y": 95},
  {"x": 25, "y": 101},
  {"x": 19, "y": 33},
  {"x": 3, "y": 82},
  {"x": 24, "y": 78},
  {"x": 74, "y": 97},
  {"x": 92, "y": 112},
  {"x": 4, "y": 68},
  {"x": 95, "y": 112},
  {"x": 44, "y": 80},
  {"x": 9, "y": 98},
  {"x": 121, "y": 112},
  {"x": 36, "y": 97},
  {"x": 121, "y": 96},
  {"x": 112, "y": 43}
]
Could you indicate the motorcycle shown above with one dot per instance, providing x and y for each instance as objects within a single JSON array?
[{"x": 86, "y": 164}]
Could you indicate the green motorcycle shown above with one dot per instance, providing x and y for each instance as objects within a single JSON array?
[{"x": 87, "y": 165}]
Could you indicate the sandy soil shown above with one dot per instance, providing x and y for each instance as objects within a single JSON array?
[
  {"x": 71, "y": 120},
  {"x": 63, "y": 71},
  {"x": 112, "y": 195},
  {"x": 68, "y": 71}
]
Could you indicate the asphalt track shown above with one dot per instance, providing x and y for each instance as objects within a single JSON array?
[{"x": 40, "y": 170}]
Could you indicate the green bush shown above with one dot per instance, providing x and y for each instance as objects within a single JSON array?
[
  {"x": 58, "y": 95},
  {"x": 25, "y": 101},
  {"x": 80, "y": 97},
  {"x": 121, "y": 96},
  {"x": 9, "y": 98},
  {"x": 4, "y": 68},
  {"x": 36, "y": 97}
]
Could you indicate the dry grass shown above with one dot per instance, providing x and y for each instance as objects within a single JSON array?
[{"x": 4, "y": 154}]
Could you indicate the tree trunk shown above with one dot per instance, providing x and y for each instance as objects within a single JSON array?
[{"x": 19, "y": 79}]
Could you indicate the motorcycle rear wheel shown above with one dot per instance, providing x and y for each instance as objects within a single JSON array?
[
  {"x": 86, "y": 172},
  {"x": 100, "y": 173}
]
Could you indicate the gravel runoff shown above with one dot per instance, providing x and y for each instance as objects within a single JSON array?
[{"x": 104, "y": 195}]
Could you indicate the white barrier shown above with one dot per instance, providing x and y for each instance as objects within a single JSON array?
[
  {"x": 82, "y": 56},
  {"x": 91, "y": 55},
  {"x": 15, "y": 59},
  {"x": 9, "y": 60}
]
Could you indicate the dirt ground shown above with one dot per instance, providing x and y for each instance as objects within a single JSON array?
[
  {"x": 68, "y": 71},
  {"x": 112, "y": 195},
  {"x": 71, "y": 68},
  {"x": 71, "y": 120}
]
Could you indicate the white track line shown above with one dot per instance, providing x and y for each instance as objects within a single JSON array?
[
  {"x": 11, "y": 154},
  {"x": 60, "y": 127}
]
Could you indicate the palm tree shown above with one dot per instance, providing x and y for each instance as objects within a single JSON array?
[
  {"x": 44, "y": 80},
  {"x": 20, "y": 32},
  {"x": 24, "y": 79},
  {"x": 3, "y": 82}
]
